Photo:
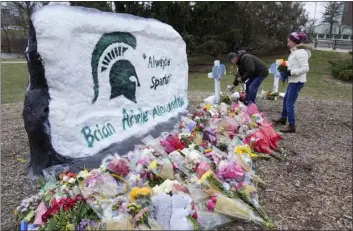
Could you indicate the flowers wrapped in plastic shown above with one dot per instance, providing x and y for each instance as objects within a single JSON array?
[
  {"x": 236, "y": 208},
  {"x": 265, "y": 140},
  {"x": 187, "y": 123},
  {"x": 165, "y": 188},
  {"x": 245, "y": 149},
  {"x": 230, "y": 170},
  {"x": 171, "y": 143},
  {"x": 119, "y": 166},
  {"x": 163, "y": 168},
  {"x": 248, "y": 193},
  {"x": 210, "y": 181}
]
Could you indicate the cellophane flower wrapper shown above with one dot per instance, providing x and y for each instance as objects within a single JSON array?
[
  {"x": 249, "y": 194},
  {"x": 198, "y": 195},
  {"x": 165, "y": 188},
  {"x": 187, "y": 123},
  {"x": 230, "y": 170},
  {"x": 215, "y": 155},
  {"x": 210, "y": 182},
  {"x": 155, "y": 144},
  {"x": 211, "y": 220},
  {"x": 119, "y": 166},
  {"x": 87, "y": 224},
  {"x": 236, "y": 208},
  {"x": 230, "y": 125},
  {"x": 177, "y": 160},
  {"x": 252, "y": 109},
  {"x": 209, "y": 135},
  {"x": 162, "y": 168},
  {"x": 51, "y": 173},
  {"x": 202, "y": 167},
  {"x": 104, "y": 207},
  {"x": 39, "y": 213},
  {"x": 265, "y": 140},
  {"x": 140, "y": 156},
  {"x": 101, "y": 185},
  {"x": 171, "y": 142},
  {"x": 121, "y": 222}
]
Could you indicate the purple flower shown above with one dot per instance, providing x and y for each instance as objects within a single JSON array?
[{"x": 85, "y": 224}]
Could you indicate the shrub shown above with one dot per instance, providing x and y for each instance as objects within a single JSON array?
[{"x": 342, "y": 70}]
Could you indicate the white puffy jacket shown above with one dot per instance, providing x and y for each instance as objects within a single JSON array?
[{"x": 298, "y": 63}]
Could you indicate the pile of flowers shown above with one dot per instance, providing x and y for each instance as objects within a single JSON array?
[
  {"x": 269, "y": 95},
  {"x": 196, "y": 177}
]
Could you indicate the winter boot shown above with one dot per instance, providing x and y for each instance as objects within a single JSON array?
[
  {"x": 288, "y": 129},
  {"x": 279, "y": 121}
]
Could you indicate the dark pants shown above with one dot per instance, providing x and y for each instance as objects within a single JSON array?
[
  {"x": 290, "y": 97},
  {"x": 252, "y": 86}
]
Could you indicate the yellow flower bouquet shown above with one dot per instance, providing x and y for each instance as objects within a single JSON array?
[{"x": 236, "y": 208}]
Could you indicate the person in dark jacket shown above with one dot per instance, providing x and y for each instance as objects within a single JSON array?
[{"x": 252, "y": 71}]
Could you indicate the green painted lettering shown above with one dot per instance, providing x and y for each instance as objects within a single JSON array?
[
  {"x": 106, "y": 132},
  {"x": 111, "y": 129},
  {"x": 126, "y": 121},
  {"x": 99, "y": 131},
  {"x": 86, "y": 131}
]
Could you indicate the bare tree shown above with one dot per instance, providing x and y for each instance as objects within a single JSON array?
[
  {"x": 5, "y": 22},
  {"x": 333, "y": 11},
  {"x": 26, "y": 10}
]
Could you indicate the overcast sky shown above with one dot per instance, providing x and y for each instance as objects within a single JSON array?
[{"x": 320, "y": 8}]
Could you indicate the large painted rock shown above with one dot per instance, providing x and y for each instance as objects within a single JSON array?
[{"x": 98, "y": 83}]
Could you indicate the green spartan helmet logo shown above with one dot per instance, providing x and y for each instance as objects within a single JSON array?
[{"x": 122, "y": 74}]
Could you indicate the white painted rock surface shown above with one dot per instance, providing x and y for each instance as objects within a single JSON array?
[{"x": 97, "y": 79}]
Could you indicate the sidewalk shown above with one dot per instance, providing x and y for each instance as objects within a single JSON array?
[
  {"x": 329, "y": 49},
  {"x": 13, "y": 62}
]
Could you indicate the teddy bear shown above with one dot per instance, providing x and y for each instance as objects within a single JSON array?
[{"x": 181, "y": 210}]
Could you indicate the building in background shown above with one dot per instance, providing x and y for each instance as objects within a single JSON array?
[
  {"x": 347, "y": 15},
  {"x": 341, "y": 30}
]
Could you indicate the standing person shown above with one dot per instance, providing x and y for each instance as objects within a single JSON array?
[
  {"x": 298, "y": 66},
  {"x": 251, "y": 70}
]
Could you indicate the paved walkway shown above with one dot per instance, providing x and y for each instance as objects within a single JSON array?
[
  {"x": 328, "y": 49},
  {"x": 13, "y": 62}
]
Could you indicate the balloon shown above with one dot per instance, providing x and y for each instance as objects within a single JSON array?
[{"x": 273, "y": 68}]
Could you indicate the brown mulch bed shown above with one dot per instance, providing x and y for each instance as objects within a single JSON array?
[{"x": 310, "y": 189}]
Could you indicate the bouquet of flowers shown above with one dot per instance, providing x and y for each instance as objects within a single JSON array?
[
  {"x": 248, "y": 193},
  {"x": 211, "y": 182},
  {"x": 271, "y": 95},
  {"x": 235, "y": 207},
  {"x": 162, "y": 168},
  {"x": 283, "y": 70}
]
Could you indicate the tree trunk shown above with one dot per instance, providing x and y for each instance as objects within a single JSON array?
[
  {"x": 8, "y": 40},
  {"x": 119, "y": 7},
  {"x": 330, "y": 32}
]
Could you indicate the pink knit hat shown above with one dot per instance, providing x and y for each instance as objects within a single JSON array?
[{"x": 298, "y": 37}]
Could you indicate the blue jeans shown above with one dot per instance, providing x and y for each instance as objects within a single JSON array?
[
  {"x": 252, "y": 86},
  {"x": 290, "y": 97}
]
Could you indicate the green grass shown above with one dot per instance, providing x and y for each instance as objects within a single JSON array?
[
  {"x": 319, "y": 84},
  {"x": 5, "y": 60},
  {"x": 14, "y": 78}
]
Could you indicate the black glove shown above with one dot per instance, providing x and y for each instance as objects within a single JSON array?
[
  {"x": 237, "y": 79},
  {"x": 236, "y": 82}
]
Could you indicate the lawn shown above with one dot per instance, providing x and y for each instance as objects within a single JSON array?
[
  {"x": 319, "y": 84},
  {"x": 14, "y": 78}
]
